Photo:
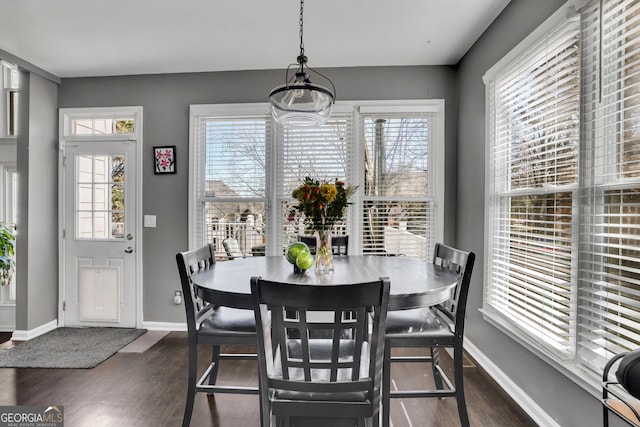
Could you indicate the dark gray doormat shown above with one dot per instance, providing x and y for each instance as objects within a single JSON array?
[{"x": 69, "y": 348}]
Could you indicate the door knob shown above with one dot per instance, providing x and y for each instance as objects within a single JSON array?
[{"x": 129, "y": 250}]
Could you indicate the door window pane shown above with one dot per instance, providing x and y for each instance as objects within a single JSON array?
[
  {"x": 100, "y": 191},
  {"x": 103, "y": 126}
]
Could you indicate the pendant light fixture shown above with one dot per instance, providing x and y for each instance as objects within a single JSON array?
[{"x": 299, "y": 102}]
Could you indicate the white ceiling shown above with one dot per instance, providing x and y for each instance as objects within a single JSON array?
[{"x": 73, "y": 38}]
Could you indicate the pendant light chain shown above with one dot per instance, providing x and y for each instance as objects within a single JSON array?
[{"x": 301, "y": 21}]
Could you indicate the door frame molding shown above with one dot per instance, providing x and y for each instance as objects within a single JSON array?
[{"x": 65, "y": 117}]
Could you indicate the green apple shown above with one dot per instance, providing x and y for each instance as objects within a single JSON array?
[
  {"x": 296, "y": 249},
  {"x": 304, "y": 261}
]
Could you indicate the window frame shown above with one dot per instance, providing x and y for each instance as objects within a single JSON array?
[
  {"x": 274, "y": 200},
  {"x": 519, "y": 284},
  {"x": 591, "y": 182},
  {"x": 342, "y": 112},
  {"x": 562, "y": 362},
  {"x": 611, "y": 270},
  {"x": 8, "y": 206},
  {"x": 197, "y": 164},
  {"x": 433, "y": 112},
  {"x": 9, "y": 88}
]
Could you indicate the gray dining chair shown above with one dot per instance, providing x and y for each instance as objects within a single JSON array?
[
  {"x": 320, "y": 381},
  {"x": 440, "y": 326},
  {"x": 232, "y": 248},
  {"x": 621, "y": 395},
  {"x": 339, "y": 244},
  {"x": 212, "y": 325}
]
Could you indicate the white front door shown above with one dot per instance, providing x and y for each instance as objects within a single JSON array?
[
  {"x": 100, "y": 233},
  {"x": 100, "y": 190}
]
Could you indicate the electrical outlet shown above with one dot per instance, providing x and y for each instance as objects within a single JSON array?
[{"x": 177, "y": 297}]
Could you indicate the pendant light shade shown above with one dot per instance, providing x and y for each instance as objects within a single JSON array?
[{"x": 299, "y": 102}]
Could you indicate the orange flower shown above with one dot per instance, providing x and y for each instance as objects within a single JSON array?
[{"x": 321, "y": 204}]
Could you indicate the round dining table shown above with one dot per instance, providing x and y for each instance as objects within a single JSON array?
[{"x": 414, "y": 283}]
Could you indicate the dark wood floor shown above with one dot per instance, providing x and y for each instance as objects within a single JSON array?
[{"x": 148, "y": 389}]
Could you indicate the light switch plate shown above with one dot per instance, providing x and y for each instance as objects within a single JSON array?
[{"x": 150, "y": 221}]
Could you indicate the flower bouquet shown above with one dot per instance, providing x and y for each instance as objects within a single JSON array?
[{"x": 322, "y": 204}]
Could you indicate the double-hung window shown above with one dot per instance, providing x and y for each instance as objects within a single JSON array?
[
  {"x": 609, "y": 268},
  {"x": 563, "y": 206},
  {"x": 244, "y": 167},
  {"x": 400, "y": 205},
  {"x": 323, "y": 153},
  {"x": 534, "y": 109},
  {"x": 229, "y": 165}
]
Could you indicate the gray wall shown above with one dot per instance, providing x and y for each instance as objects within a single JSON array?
[
  {"x": 22, "y": 232},
  {"x": 569, "y": 404},
  {"x": 37, "y": 237},
  {"x": 166, "y": 100}
]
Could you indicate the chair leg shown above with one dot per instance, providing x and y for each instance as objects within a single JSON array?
[
  {"x": 191, "y": 383},
  {"x": 265, "y": 406},
  {"x": 435, "y": 362},
  {"x": 215, "y": 359},
  {"x": 459, "y": 383},
  {"x": 386, "y": 386}
]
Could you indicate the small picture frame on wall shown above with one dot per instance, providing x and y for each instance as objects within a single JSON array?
[{"x": 164, "y": 159}]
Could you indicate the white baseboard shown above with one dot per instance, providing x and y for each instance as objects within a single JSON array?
[
  {"x": 152, "y": 326},
  {"x": 164, "y": 326},
  {"x": 512, "y": 389},
  {"x": 32, "y": 333}
]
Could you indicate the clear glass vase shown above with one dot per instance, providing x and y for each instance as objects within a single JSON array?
[{"x": 324, "y": 253}]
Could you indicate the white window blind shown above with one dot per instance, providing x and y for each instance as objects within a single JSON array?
[
  {"x": 230, "y": 187},
  {"x": 609, "y": 298},
  {"x": 398, "y": 213},
  {"x": 533, "y": 179},
  {"x": 323, "y": 153}
]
